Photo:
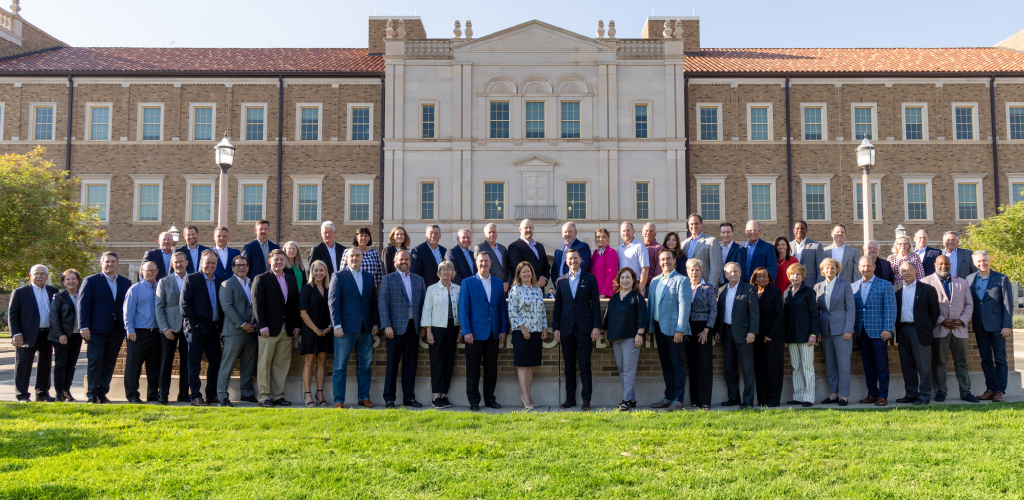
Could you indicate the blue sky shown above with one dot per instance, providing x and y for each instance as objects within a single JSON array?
[{"x": 342, "y": 23}]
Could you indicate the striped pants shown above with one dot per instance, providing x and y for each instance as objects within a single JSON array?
[{"x": 801, "y": 357}]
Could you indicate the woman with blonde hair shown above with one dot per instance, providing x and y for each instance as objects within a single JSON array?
[
  {"x": 802, "y": 332},
  {"x": 528, "y": 321},
  {"x": 441, "y": 320},
  {"x": 317, "y": 339},
  {"x": 837, "y": 312},
  {"x": 398, "y": 239},
  {"x": 902, "y": 251}
]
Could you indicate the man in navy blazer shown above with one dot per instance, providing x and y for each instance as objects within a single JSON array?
[
  {"x": 462, "y": 257},
  {"x": 484, "y": 318},
  {"x": 101, "y": 319},
  {"x": 427, "y": 255},
  {"x": 352, "y": 300},
  {"x": 924, "y": 252},
  {"x": 577, "y": 323},
  {"x": 161, "y": 256},
  {"x": 992, "y": 322},
  {"x": 882, "y": 267},
  {"x": 732, "y": 251},
  {"x": 559, "y": 266},
  {"x": 192, "y": 249},
  {"x": 275, "y": 304},
  {"x": 225, "y": 255},
  {"x": 257, "y": 251},
  {"x": 29, "y": 316},
  {"x": 760, "y": 253},
  {"x": 400, "y": 305},
  {"x": 202, "y": 318}
]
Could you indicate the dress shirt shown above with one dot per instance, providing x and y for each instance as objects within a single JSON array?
[
  {"x": 920, "y": 253},
  {"x": 865, "y": 288},
  {"x": 574, "y": 281},
  {"x": 407, "y": 281},
  {"x": 244, "y": 280},
  {"x": 751, "y": 247},
  {"x": 533, "y": 246},
  {"x": 180, "y": 279},
  {"x": 653, "y": 249},
  {"x": 633, "y": 256},
  {"x": 657, "y": 295},
  {"x": 43, "y": 304},
  {"x": 211, "y": 288},
  {"x": 357, "y": 275},
  {"x": 725, "y": 254},
  {"x": 837, "y": 253},
  {"x": 563, "y": 268},
  {"x": 284, "y": 285},
  {"x": 693, "y": 245},
  {"x": 798, "y": 247},
  {"x": 167, "y": 260},
  {"x": 907, "y": 315},
  {"x": 730, "y": 298},
  {"x": 952, "y": 261},
  {"x": 947, "y": 285},
  {"x": 436, "y": 250},
  {"x": 112, "y": 283},
  {"x": 222, "y": 255},
  {"x": 469, "y": 259},
  {"x": 980, "y": 284},
  {"x": 265, "y": 246},
  {"x": 140, "y": 306},
  {"x": 497, "y": 254},
  {"x": 334, "y": 255},
  {"x": 829, "y": 286},
  {"x": 194, "y": 253},
  {"x": 486, "y": 282}
]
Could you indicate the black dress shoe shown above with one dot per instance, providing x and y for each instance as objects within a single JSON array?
[
  {"x": 104, "y": 400},
  {"x": 793, "y": 402},
  {"x": 266, "y": 404},
  {"x": 226, "y": 403},
  {"x": 970, "y": 398},
  {"x": 389, "y": 404},
  {"x": 135, "y": 401},
  {"x": 730, "y": 403},
  {"x": 906, "y": 400},
  {"x": 745, "y": 406},
  {"x": 249, "y": 399},
  {"x": 940, "y": 397},
  {"x": 45, "y": 398},
  {"x": 843, "y": 402},
  {"x": 68, "y": 397},
  {"x": 161, "y": 402},
  {"x": 586, "y": 405},
  {"x": 92, "y": 401},
  {"x": 413, "y": 403},
  {"x": 807, "y": 404},
  {"x": 282, "y": 402},
  {"x": 60, "y": 397},
  {"x": 474, "y": 407},
  {"x": 568, "y": 404},
  {"x": 920, "y": 402},
  {"x": 183, "y": 399},
  {"x": 829, "y": 401},
  {"x": 493, "y": 404}
]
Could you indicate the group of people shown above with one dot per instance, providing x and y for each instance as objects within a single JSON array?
[{"x": 754, "y": 298}]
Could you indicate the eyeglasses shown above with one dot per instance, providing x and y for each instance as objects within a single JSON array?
[{"x": 240, "y": 265}]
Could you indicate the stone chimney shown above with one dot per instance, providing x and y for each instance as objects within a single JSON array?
[
  {"x": 655, "y": 28},
  {"x": 378, "y": 24}
]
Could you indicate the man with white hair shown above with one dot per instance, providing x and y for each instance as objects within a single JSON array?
[
  {"x": 29, "y": 316},
  {"x": 960, "y": 262},
  {"x": 992, "y": 323},
  {"x": 161, "y": 256},
  {"x": 497, "y": 252},
  {"x": 924, "y": 252},
  {"x": 331, "y": 252}
]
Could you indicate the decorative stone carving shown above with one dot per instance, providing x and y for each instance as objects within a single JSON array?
[
  {"x": 16, "y": 7},
  {"x": 679, "y": 29},
  {"x": 499, "y": 88},
  {"x": 571, "y": 88},
  {"x": 458, "y": 29},
  {"x": 611, "y": 29},
  {"x": 389, "y": 31},
  {"x": 469, "y": 29},
  {"x": 667, "y": 33},
  {"x": 600, "y": 29},
  {"x": 401, "y": 28},
  {"x": 535, "y": 88}
]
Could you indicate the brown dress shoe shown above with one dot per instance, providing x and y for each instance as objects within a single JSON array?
[
  {"x": 199, "y": 402},
  {"x": 997, "y": 398},
  {"x": 339, "y": 405},
  {"x": 987, "y": 395},
  {"x": 881, "y": 402},
  {"x": 367, "y": 403},
  {"x": 868, "y": 400}
]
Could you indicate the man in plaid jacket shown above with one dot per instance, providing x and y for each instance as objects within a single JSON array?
[{"x": 876, "y": 320}]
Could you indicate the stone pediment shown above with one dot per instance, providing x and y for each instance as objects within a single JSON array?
[
  {"x": 535, "y": 162},
  {"x": 534, "y": 36}
]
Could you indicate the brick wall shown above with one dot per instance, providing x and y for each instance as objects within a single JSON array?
[{"x": 378, "y": 26}]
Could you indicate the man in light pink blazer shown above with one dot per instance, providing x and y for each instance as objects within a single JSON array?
[{"x": 956, "y": 306}]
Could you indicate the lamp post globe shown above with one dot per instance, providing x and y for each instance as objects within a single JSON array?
[{"x": 175, "y": 234}]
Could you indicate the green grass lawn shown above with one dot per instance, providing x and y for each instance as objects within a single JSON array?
[{"x": 119, "y": 451}]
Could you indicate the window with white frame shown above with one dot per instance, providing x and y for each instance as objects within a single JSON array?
[
  {"x": 203, "y": 121},
  {"x": 200, "y": 194},
  {"x": 570, "y": 119},
  {"x": 2, "y": 115},
  {"x": 1015, "y": 120},
  {"x": 761, "y": 196},
  {"x": 965, "y": 119},
  {"x": 710, "y": 121},
  {"x": 576, "y": 200},
  {"x": 917, "y": 188},
  {"x": 96, "y": 194},
  {"x": 710, "y": 194},
  {"x": 817, "y": 197},
  {"x": 254, "y": 121},
  {"x": 494, "y": 200},
  {"x": 306, "y": 198},
  {"x": 307, "y": 117},
  {"x": 428, "y": 199},
  {"x": 968, "y": 192},
  {"x": 252, "y": 192},
  {"x": 759, "y": 122},
  {"x": 1016, "y": 183},
  {"x": 814, "y": 119},
  {"x": 360, "y": 117},
  {"x": 535, "y": 119},
  {"x": 640, "y": 116},
  {"x": 42, "y": 116},
  {"x": 915, "y": 121},
  {"x": 151, "y": 121},
  {"x": 863, "y": 121},
  {"x": 97, "y": 121},
  {"x": 643, "y": 200},
  {"x": 359, "y": 191},
  {"x": 499, "y": 119},
  {"x": 858, "y": 196},
  {"x": 148, "y": 198},
  {"x": 427, "y": 120}
]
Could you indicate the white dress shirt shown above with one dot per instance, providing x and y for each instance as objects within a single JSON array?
[
  {"x": 486, "y": 282},
  {"x": 730, "y": 297},
  {"x": 837, "y": 253},
  {"x": 180, "y": 280},
  {"x": 725, "y": 254},
  {"x": 194, "y": 253},
  {"x": 222, "y": 254},
  {"x": 334, "y": 255},
  {"x": 244, "y": 280},
  {"x": 907, "y": 315},
  {"x": 43, "y": 304},
  {"x": 798, "y": 246},
  {"x": 358, "y": 277},
  {"x": 533, "y": 246}
]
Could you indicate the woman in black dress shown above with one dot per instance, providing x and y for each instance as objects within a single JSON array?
[
  {"x": 317, "y": 334},
  {"x": 398, "y": 239},
  {"x": 770, "y": 344}
]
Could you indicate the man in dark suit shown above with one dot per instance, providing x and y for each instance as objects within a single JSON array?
[
  {"x": 559, "y": 266},
  {"x": 352, "y": 300},
  {"x": 497, "y": 252},
  {"x": 202, "y": 318},
  {"x": 330, "y": 251},
  {"x": 161, "y": 256},
  {"x": 924, "y": 252},
  {"x": 400, "y": 305},
  {"x": 992, "y": 322},
  {"x": 192, "y": 249},
  {"x": 225, "y": 255},
  {"x": 462, "y": 257},
  {"x": 275, "y": 304},
  {"x": 917, "y": 310},
  {"x": 257, "y": 251},
  {"x": 808, "y": 252},
  {"x": 760, "y": 253},
  {"x": 427, "y": 255},
  {"x": 101, "y": 319},
  {"x": 736, "y": 327},
  {"x": 168, "y": 320},
  {"x": 731, "y": 252},
  {"x": 29, "y": 316},
  {"x": 578, "y": 315},
  {"x": 883, "y": 269},
  {"x": 960, "y": 261},
  {"x": 484, "y": 318},
  {"x": 530, "y": 250}
]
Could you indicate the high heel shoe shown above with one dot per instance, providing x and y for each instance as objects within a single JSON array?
[
  {"x": 309, "y": 403},
  {"x": 320, "y": 398},
  {"x": 526, "y": 406}
]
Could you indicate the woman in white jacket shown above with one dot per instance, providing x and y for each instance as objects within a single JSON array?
[{"x": 441, "y": 319}]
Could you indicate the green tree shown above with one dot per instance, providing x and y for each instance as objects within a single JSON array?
[
  {"x": 1001, "y": 235},
  {"x": 41, "y": 221}
]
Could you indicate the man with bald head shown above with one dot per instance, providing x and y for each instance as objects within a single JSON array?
[
  {"x": 760, "y": 253},
  {"x": 874, "y": 326},
  {"x": 530, "y": 250},
  {"x": 955, "y": 309},
  {"x": 143, "y": 334},
  {"x": 560, "y": 267},
  {"x": 161, "y": 256},
  {"x": 29, "y": 316}
]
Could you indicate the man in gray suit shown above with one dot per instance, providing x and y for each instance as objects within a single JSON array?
[
  {"x": 847, "y": 256},
  {"x": 808, "y": 252},
  {"x": 168, "y": 320},
  {"x": 737, "y": 325},
  {"x": 703, "y": 247},
  {"x": 239, "y": 332},
  {"x": 497, "y": 252},
  {"x": 961, "y": 263}
]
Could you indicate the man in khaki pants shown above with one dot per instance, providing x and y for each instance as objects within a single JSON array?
[{"x": 275, "y": 303}]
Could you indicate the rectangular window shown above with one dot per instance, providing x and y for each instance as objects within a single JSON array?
[
  {"x": 428, "y": 121},
  {"x": 964, "y": 122},
  {"x": 576, "y": 200},
  {"x": 812, "y": 124},
  {"x": 499, "y": 120},
  {"x": 967, "y": 201},
  {"x": 360, "y": 124},
  {"x": 643, "y": 200},
  {"x": 149, "y": 202},
  {"x": 202, "y": 124},
  {"x": 917, "y": 201},
  {"x": 151, "y": 124},
  {"x": 1017, "y": 122},
  {"x": 308, "y": 202},
  {"x": 254, "y": 123},
  {"x": 359, "y": 202},
  {"x": 494, "y": 200},
  {"x": 99, "y": 123},
  {"x": 640, "y": 113},
  {"x": 914, "y": 118},
  {"x": 534, "y": 120},
  {"x": 202, "y": 203},
  {"x": 427, "y": 200},
  {"x": 860, "y": 200},
  {"x": 709, "y": 123},
  {"x": 862, "y": 123},
  {"x": 44, "y": 123},
  {"x": 310, "y": 124},
  {"x": 1018, "y": 192},
  {"x": 815, "y": 201},
  {"x": 761, "y": 201},
  {"x": 571, "y": 120},
  {"x": 759, "y": 124},
  {"x": 96, "y": 197},
  {"x": 711, "y": 201},
  {"x": 252, "y": 202}
]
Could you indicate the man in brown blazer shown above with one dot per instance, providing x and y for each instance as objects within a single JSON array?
[{"x": 955, "y": 309}]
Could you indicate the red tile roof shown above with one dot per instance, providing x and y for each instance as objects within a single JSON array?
[
  {"x": 942, "y": 60},
  {"x": 164, "y": 60}
]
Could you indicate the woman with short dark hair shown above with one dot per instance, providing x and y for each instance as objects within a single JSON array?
[
  {"x": 625, "y": 322},
  {"x": 64, "y": 334},
  {"x": 371, "y": 259}
]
